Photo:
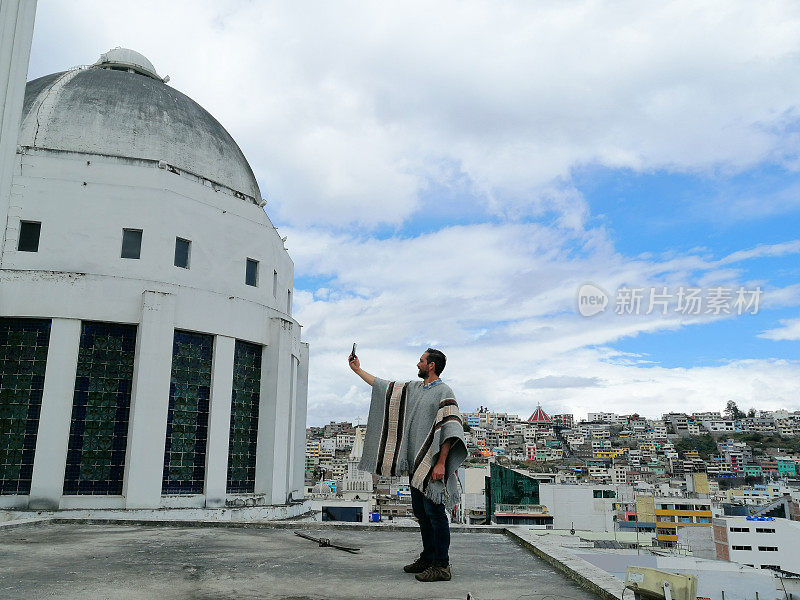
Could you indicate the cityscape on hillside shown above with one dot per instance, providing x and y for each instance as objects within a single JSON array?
[{"x": 681, "y": 483}]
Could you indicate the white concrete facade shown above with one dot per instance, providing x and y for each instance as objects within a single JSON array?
[
  {"x": 579, "y": 506},
  {"x": 84, "y": 201},
  {"x": 770, "y": 543}
]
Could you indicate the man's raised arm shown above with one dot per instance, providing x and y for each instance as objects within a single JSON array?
[{"x": 356, "y": 366}]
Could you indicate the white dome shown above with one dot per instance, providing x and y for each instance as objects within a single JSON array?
[{"x": 120, "y": 107}]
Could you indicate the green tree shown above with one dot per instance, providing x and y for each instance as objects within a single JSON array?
[
  {"x": 732, "y": 411},
  {"x": 703, "y": 444}
]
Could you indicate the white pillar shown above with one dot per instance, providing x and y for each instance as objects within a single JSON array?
[
  {"x": 300, "y": 410},
  {"x": 273, "y": 413},
  {"x": 219, "y": 421},
  {"x": 291, "y": 429},
  {"x": 52, "y": 438},
  {"x": 16, "y": 36},
  {"x": 147, "y": 430}
]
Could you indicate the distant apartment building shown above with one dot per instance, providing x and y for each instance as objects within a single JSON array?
[
  {"x": 575, "y": 439},
  {"x": 618, "y": 475},
  {"x": 530, "y": 450},
  {"x": 788, "y": 427},
  {"x": 479, "y": 433},
  {"x": 602, "y": 417},
  {"x": 598, "y": 473},
  {"x": 600, "y": 432},
  {"x": 471, "y": 419},
  {"x": 677, "y": 422},
  {"x": 755, "y": 495},
  {"x": 672, "y": 513},
  {"x": 769, "y": 466},
  {"x": 345, "y": 440},
  {"x": 608, "y": 453},
  {"x": 718, "y": 425},
  {"x": 669, "y": 450},
  {"x": 567, "y": 421},
  {"x": 312, "y": 454},
  {"x": 760, "y": 542},
  {"x": 326, "y": 457},
  {"x": 331, "y": 429},
  {"x": 763, "y": 425},
  {"x": 338, "y": 468},
  {"x": 312, "y": 448},
  {"x": 707, "y": 416},
  {"x": 657, "y": 430},
  {"x": 585, "y": 507},
  {"x": 786, "y": 467}
]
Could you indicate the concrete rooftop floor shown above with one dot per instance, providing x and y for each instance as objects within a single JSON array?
[{"x": 135, "y": 562}]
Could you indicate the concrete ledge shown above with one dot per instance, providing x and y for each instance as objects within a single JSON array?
[
  {"x": 286, "y": 524},
  {"x": 27, "y": 522},
  {"x": 583, "y": 573},
  {"x": 187, "y": 516}
]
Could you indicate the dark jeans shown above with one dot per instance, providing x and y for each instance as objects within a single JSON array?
[{"x": 434, "y": 528}]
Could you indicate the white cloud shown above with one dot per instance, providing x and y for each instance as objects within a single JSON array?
[
  {"x": 501, "y": 303},
  {"x": 763, "y": 250},
  {"x": 789, "y": 330},
  {"x": 562, "y": 381},
  {"x": 780, "y": 297}
]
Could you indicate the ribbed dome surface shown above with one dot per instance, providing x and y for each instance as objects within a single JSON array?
[{"x": 118, "y": 113}]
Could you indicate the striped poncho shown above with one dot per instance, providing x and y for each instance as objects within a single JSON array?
[{"x": 406, "y": 428}]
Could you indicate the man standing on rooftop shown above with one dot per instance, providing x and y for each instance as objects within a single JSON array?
[{"x": 415, "y": 429}]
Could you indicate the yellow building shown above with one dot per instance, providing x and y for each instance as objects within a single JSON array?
[
  {"x": 700, "y": 483},
  {"x": 607, "y": 454},
  {"x": 645, "y": 509},
  {"x": 673, "y": 513}
]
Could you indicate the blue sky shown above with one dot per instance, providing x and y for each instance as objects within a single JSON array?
[
  {"x": 451, "y": 174},
  {"x": 657, "y": 212},
  {"x": 661, "y": 213}
]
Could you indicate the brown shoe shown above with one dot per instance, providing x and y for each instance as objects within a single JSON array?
[
  {"x": 434, "y": 573},
  {"x": 418, "y": 566}
]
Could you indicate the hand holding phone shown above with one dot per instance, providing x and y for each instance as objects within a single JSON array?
[{"x": 353, "y": 353}]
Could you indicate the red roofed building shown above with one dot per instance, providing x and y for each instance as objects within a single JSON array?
[{"x": 540, "y": 418}]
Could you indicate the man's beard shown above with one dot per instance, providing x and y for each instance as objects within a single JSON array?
[{"x": 422, "y": 374}]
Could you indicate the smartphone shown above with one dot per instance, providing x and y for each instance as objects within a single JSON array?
[{"x": 353, "y": 353}]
